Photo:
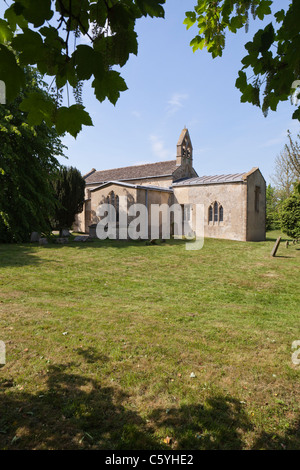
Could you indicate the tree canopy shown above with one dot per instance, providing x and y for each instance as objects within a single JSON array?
[
  {"x": 27, "y": 165},
  {"x": 290, "y": 216},
  {"x": 69, "y": 191},
  {"x": 46, "y": 34},
  {"x": 273, "y": 58}
]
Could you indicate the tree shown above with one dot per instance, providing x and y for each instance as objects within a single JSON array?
[
  {"x": 284, "y": 176},
  {"x": 272, "y": 209},
  {"x": 69, "y": 188},
  {"x": 273, "y": 58},
  {"x": 49, "y": 35},
  {"x": 27, "y": 164},
  {"x": 293, "y": 154},
  {"x": 290, "y": 216}
]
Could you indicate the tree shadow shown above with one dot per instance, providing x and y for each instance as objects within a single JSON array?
[
  {"x": 73, "y": 412},
  {"x": 77, "y": 412},
  {"x": 17, "y": 255},
  {"x": 218, "y": 423},
  {"x": 290, "y": 440}
]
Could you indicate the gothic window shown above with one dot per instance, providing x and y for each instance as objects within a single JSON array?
[
  {"x": 113, "y": 200},
  {"x": 117, "y": 209},
  {"x": 215, "y": 213},
  {"x": 221, "y": 214}
]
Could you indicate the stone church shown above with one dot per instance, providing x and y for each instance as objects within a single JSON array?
[{"x": 234, "y": 204}]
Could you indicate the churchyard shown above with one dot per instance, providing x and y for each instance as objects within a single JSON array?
[{"x": 126, "y": 345}]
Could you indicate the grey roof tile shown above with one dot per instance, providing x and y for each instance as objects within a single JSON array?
[
  {"x": 132, "y": 172},
  {"x": 201, "y": 180}
]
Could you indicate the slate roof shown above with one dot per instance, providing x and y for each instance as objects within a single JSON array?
[
  {"x": 148, "y": 170},
  {"x": 134, "y": 186},
  {"x": 221, "y": 179}
]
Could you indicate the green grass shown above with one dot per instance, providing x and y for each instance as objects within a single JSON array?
[{"x": 138, "y": 321}]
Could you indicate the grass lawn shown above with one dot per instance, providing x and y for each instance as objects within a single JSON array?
[{"x": 102, "y": 339}]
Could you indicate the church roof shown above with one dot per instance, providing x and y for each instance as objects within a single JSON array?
[
  {"x": 134, "y": 186},
  {"x": 201, "y": 180},
  {"x": 148, "y": 170}
]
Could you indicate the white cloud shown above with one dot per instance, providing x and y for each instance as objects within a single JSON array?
[
  {"x": 136, "y": 114},
  {"x": 158, "y": 148},
  {"x": 176, "y": 102}
]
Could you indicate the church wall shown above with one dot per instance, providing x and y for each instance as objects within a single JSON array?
[
  {"x": 256, "y": 208},
  {"x": 141, "y": 196},
  {"x": 231, "y": 196},
  {"x": 154, "y": 197},
  {"x": 99, "y": 197}
]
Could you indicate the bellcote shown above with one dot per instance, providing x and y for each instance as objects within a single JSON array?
[{"x": 184, "y": 149}]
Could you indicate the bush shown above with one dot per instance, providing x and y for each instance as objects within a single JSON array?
[{"x": 290, "y": 216}]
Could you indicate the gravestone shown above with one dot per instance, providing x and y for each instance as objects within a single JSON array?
[
  {"x": 35, "y": 236},
  {"x": 65, "y": 233},
  {"x": 92, "y": 230},
  {"x": 62, "y": 240},
  {"x": 275, "y": 248},
  {"x": 82, "y": 238}
]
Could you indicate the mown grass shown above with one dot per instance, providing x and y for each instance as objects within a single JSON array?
[{"x": 102, "y": 339}]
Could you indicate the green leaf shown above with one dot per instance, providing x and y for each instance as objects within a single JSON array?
[
  {"x": 72, "y": 119},
  {"x": 264, "y": 9},
  {"x": 296, "y": 115},
  {"x": 39, "y": 109},
  {"x": 280, "y": 15},
  {"x": 34, "y": 11},
  {"x": 6, "y": 33},
  {"x": 109, "y": 87},
  {"x": 10, "y": 73},
  {"x": 30, "y": 46},
  {"x": 190, "y": 19},
  {"x": 151, "y": 7},
  {"x": 14, "y": 19},
  {"x": 88, "y": 62},
  {"x": 241, "y": 81}
]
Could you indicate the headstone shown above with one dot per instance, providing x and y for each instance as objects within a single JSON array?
[
  {"x": 92, "y": 230},
  {"x": 65, "y": 233},
  {"x": 35, "y": 236},
  {"x": 287, "y": 244},
  {"x": 275, "y": 248},
  {"x": 43, "y": 241},
  {"x": 62, "y": 240},
  {"x": 82, "y": 238}
]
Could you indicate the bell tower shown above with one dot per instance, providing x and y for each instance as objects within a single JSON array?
[{"x": 184, "y": 155}]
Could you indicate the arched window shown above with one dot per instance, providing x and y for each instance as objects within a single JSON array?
[
  {"x": 221, "y": 214},
  {"x": 113, "y": 199},
  {"x": 117, "y": 208},
  {"x": 215, "y": 213}
]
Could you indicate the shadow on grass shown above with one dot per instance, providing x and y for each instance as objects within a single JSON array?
[
  {"x": 77, "y": 412},
  {"x": 121, "y": 244},
  {"x": 17, "y": 255}
]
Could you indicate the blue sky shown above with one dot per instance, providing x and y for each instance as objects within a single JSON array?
[{"x": 171, "y": 87}]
